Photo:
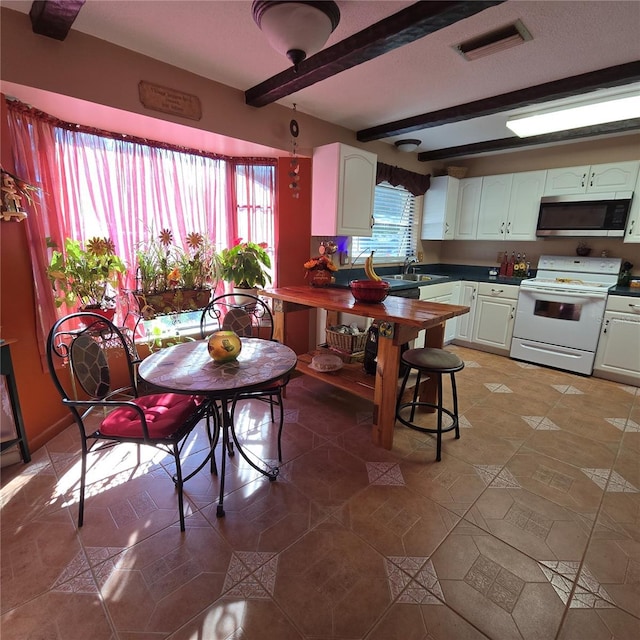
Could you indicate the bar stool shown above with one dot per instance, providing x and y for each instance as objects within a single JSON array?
[{"x": 436, "y": 362}]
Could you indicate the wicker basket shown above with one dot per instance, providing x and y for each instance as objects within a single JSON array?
[
  {"x": 457, "y": 172},
  {"x": 346, "y": 342}
]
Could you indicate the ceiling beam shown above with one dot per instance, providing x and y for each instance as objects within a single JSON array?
[
  {"x": 567, "y": 87},
  {"x": 53, "y": 18},
  {"x": 509, "y": 144},
  {"x": 412, "y": 23}
]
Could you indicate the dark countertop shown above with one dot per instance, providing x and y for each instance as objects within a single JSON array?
[{"x": 449, "y": 272}]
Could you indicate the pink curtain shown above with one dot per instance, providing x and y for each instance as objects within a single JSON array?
[{"x": 129, "y": 190}]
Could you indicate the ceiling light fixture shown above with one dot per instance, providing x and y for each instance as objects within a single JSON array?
[
  {"x": 577, "y": 116},
  {"x": 408, "y": 145},
  {"x": 494, "y": 41},
  {"x": 297, "y": 29}
]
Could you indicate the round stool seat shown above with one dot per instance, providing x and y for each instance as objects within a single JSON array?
[{"x": 431, "y": 359}]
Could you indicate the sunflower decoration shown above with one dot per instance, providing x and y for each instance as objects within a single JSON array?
[
  {"x": 101, "y": 246},
  {"x": 195, "y": 240},
  {"x": 166, "y": 237}
]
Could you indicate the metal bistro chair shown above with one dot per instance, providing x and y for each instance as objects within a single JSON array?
[
  {"x": 94, "y": 350},
  {"x": 431, "y": 362},
  {"x": 249, "y": 317}
]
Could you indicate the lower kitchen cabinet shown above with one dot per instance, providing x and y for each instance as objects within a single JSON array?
[
  {"x": 495, "y": 316},
  {"x": 467, "y": 293},
  {"x": 441, "y": 292},
  {"x": 618, "y": 354}
]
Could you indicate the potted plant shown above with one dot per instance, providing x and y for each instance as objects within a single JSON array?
[
  {"x": 246, "y": 265},
  {"x": 86, "y": 276},
  {"x": 172, "y": 279}
]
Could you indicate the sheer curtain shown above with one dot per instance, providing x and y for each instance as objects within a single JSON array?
[{"x": 103, "y": 184}]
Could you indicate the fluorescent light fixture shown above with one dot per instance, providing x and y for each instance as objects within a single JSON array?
[{"x": 576, "y": 117}]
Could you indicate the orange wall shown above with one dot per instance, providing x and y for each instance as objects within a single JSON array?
[
  {"x": 292, "y": 244},
  {"x": 43, "y": 414}
]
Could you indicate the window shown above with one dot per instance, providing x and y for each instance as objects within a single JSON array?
[{"x": 394, "y": 233}]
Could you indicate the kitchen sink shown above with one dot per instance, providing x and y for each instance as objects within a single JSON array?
[{"x": 415, "y": 277}]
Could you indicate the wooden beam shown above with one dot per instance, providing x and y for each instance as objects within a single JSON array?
[
  {"x": 507, "y": 144},
  {"x": 53, "y": 18},
  {"x": 619, "y": 75},
  {"x": 412, "y": 23}
]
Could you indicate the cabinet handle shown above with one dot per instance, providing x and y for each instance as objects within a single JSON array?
[
  {"x": 631, "y": 226},
  {"x": 634, "y": 306},
  {"x": 584, "y": 179},
  {"x": 606, "y": 324},
  {"x": 502, "y": 228},
  {"x": 498, "y": 291}
]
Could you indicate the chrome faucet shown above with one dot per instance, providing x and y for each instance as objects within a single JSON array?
[{"x": 408, "y": 261}]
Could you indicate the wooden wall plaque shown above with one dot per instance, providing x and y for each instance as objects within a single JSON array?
[{"x": 167, "y": 100}]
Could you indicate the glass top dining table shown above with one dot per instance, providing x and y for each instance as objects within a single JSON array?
[{"x": 188, "y": 368}]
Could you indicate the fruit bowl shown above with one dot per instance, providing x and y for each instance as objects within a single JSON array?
[{"x": 369, "y": 290}]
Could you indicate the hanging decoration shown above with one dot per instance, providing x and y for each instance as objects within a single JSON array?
[
  {"x": 294, "y": 165},
  {"x": 13, "y": 190}
]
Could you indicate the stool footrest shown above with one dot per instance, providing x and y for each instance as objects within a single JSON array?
[{"x": 411, "y": 425}]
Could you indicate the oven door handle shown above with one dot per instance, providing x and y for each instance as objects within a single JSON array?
[{"x": 565, "y": 294}]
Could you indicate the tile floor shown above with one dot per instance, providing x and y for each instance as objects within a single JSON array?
[{"x": 527, "y": 528}]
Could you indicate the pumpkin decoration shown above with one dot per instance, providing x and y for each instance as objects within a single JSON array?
[{"x": 224, "y": 346}]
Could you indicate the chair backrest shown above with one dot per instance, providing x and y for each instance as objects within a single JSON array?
[
  {"x": 247, "y": 315},
  {"x": 90, "y": 358}
]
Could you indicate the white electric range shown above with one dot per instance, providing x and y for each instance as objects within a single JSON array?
[{"x": 560, "y": 311}]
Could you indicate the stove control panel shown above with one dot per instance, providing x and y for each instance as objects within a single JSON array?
[{"x": 576, "y": 264}]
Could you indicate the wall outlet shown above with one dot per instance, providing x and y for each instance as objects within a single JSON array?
[{"x": 420, "y": 256}]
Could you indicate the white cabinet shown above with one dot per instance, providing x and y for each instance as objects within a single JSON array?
[
  {"x": 495, "y": 316},
  {"x": 342, "y": 191},
  {"x": 469, "y": 193},
  {"x": 524, "y": 204},
  {"x": 440, "y": 209},
  {"x": 494, "y": 207},
  {"x": 466, "y": 297},
  {"x": 618, "y": 354},
  {"x": 597, "y": 178},
  {"x": 632, "y": 234},
  {"x": 441, "y": 292}
]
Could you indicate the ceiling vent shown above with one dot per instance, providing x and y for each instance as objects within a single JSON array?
[{"x": 494, "y": 41}]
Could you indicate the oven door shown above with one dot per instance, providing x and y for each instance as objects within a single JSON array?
[{"x": 562, "y": 318}]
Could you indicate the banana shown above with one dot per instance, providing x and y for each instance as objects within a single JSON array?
[{"x": 369, "y": 270}]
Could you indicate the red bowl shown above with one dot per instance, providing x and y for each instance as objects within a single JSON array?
[{"x": 369, "y": 290}]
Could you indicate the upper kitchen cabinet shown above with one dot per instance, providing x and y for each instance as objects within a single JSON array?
[
  {"x": 469, "y": 193},
  {"x": 342, "y": 194},
  {"x": 524, "y": 204},
  {"x": 440, "y": 209},
  {"x": 598, "y": 178},
  {"x": 494, "y": 207}
]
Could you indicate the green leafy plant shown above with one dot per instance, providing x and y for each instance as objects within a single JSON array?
[
  {"x": 87, "y": 275},
  {"x": 246, "y": 265}
]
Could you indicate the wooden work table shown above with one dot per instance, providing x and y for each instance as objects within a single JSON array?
[{"x": 399, "y": 320}]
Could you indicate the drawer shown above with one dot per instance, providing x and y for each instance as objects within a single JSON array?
[
  {"x": 496, "y": 290},
  {"x": 626, "y": 304},
  {"x": 431, "y": 291}
]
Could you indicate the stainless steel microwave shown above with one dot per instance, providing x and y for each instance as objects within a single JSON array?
[{"x": 601, "y": 214}]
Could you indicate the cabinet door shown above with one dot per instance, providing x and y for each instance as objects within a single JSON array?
[
  {"x": 566, "y": 181},
  {"x": 619, "y": 345},
  {"x": 524, "y": 204},
  {"x": 356, "y": 194},
  {"x": 468, "y": 208},
  {"x": 494, "y": 207},
  {"x": 439, "y": 209},
  {"x": 619, "y": 176},
  {"x": 342, "y": 191},
  {"x": 467, "y": 298},
  {"x": 493, "y": 323}
]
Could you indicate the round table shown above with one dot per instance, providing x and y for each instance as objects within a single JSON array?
[{"x": 188, "y": 368}]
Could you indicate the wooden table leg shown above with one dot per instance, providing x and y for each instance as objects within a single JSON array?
[
  {"x": 386, "y": 390},
  {"x": 429, "y": 387}
]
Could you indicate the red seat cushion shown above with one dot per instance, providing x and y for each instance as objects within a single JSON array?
[{"x": 165, "y": 414}]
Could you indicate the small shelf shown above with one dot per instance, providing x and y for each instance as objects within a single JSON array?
[{"x": 350, "y": 377}]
